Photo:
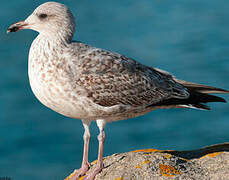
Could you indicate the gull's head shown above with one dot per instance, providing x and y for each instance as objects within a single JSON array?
[{"x": 51, "y": 19}]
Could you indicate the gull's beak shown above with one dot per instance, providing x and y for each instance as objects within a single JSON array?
[{"x": 18, "y": 26}]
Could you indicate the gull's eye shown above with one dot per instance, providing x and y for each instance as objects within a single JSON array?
[{"x": 42, "y": 16}]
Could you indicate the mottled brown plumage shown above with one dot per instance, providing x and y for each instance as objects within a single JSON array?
[{"x": 112, "y": 79}]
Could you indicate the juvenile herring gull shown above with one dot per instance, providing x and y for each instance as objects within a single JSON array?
[{"x": 84, "y": 82}]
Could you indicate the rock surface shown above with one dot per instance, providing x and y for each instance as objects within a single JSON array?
[{"x": 209, "y": 163}]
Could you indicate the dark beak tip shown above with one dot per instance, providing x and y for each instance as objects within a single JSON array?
[
  {"x": 16, "y": 27},
  {"x": 13, "y": 29}
]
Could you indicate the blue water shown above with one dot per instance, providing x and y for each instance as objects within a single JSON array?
[{"x": 188, "y": 38}]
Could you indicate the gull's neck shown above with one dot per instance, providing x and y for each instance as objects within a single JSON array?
[
  {"x": 62, "y": 36},
  {"x": 50, "y": 44},
  {"x": 55, "y": 39},
  {"x": 47, "y": 46}
]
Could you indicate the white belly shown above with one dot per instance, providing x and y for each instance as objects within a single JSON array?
[{"x": 57, "y": 97}]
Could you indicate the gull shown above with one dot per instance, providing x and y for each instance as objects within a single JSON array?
[{"x": 92, "y": 84}]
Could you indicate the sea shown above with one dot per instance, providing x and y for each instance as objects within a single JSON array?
[{"x": 188, "y": 38}]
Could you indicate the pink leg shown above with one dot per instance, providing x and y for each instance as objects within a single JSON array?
[
  {"x": 101, "y": 138},
  {"x": 85, "y": 164}
]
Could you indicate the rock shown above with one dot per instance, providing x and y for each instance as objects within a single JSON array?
[{"x": 209, "y": 163}]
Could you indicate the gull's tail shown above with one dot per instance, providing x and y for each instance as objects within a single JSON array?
[{"x": 199, "y": 95}]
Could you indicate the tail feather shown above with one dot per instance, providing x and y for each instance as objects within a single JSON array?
[
  {"x": 196, "y": 100},
  {"x": 198, "y": 96},
  {"x": 205, "y": 98},
  {"x": 201, "y": 88}
]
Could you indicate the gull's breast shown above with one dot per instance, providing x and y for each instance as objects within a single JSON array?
[{"x": 51, "y": 83}]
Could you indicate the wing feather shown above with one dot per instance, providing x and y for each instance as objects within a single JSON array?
[{"x": 111, "y": 79}]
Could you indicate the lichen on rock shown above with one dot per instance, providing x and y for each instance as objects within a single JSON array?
[{"x": 208, "y": 163}]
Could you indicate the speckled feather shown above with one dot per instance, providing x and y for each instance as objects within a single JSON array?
[{"x": 113, "y": 79}]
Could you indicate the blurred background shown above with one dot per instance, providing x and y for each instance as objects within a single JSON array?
[{"x": 187, "y": 38}]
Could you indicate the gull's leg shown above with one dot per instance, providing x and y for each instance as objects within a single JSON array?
[
  {"x": 101, "y": 138},
  {"x": 85, "y": 164}
]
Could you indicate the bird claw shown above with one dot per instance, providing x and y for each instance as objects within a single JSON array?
[
  {"x": 78, "y": 173},
  {"x": 91, "y": 174}
]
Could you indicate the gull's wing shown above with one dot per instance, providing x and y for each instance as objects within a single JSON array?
[{"x": 112, "y": 79}]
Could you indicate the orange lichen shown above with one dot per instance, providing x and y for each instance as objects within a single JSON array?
[
  {"x": 151, "y": 150},
  {"x": 147, "y": 150},
  {"x": 120, "y": 178},
  {"x": 143, "y": 162},
  {"x": 146, "y": 162},
  {"x": 72, "y": 174},
  {"x": 67, "y": 178},
  {"x": 211, "y": 155},
  {"x": 81, "y": 178},
  {"x": 94, "y": 162},
  {"x": 167, "y": 156},
  {"x": 168, "y": 171}
]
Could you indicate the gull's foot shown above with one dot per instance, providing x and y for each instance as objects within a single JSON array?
[
  {"x": 91, "y": 174},
  {"x": 78, "y": 173}
]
